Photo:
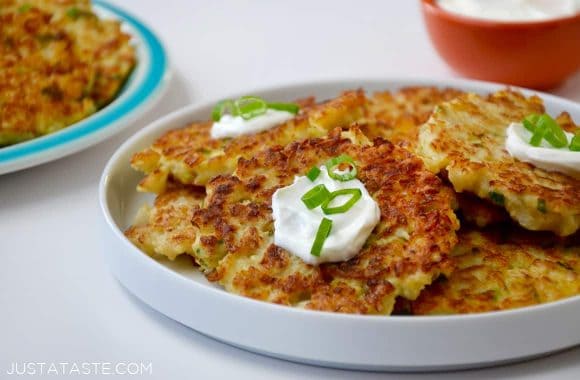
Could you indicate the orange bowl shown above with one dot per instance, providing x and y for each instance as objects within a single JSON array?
[{"x": 537, "y": 54}]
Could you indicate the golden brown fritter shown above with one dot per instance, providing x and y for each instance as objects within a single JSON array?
[
  {"x": 397, "y": 116},
  {"x": 405, "y": 252},
  {"x": 466, "y": 137},
  {"x": 503, "y": 268},
  {"x": 59, "y": 63},
  {"x": 191, "y": 156},
  {"x": 165, "y": 229}
]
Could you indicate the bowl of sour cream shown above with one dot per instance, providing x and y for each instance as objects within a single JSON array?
[{"x": 528, "y": 43}]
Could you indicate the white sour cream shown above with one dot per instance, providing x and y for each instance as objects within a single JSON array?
[
  {"x": 234, "y": 126},
  {"x": 295, "y": 226},
  {"x": 545, "y": 156},
  {"x": 512, "y": 10}
]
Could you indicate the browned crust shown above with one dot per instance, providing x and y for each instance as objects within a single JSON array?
[
  {"x": 165, "y": 228},
  {"x": 397, "y": 116},
  {"x": 503, "y": 268},
  {"x": 235, "y": 229}
]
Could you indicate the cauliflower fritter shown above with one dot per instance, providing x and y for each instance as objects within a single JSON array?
[
  {"x": 503, "y": 268},
  {"x": 165, "y": 229},
  {"x": 405, "y": 252},
  {"x": 465, "y": 139},
  {"x": 59, "y": 63},
  {"x": 397, "y": 116},
  {"x": 189, "y": 155}
]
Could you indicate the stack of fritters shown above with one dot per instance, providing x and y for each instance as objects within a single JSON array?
[
  {"x": 59, "y": 63},
  {"x": 424, "y": 155}
]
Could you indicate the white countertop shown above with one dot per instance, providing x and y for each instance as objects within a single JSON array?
[{"x": 58, "y": 301}]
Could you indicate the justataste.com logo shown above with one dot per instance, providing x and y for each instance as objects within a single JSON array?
[{"x": 80, "y": 368}]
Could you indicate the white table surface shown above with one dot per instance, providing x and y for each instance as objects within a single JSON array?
[{"x": 58, "y": 301}]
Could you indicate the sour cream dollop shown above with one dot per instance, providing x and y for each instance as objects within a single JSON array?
[
  {"x": 512, "y": 10},
  {"x": 295, "y": 226},
  {"x": 545, "y": 156},
  {"x": 234, "y": 126}
]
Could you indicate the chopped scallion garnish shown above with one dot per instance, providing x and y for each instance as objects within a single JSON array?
[
  {"x": 288, "y": 107},
  {"x": 223, "y": 107},
  {"x": 355, "y": 194},
  {"x": 24, "y": 8},
  {"x": 545, "y": 127},
  {"x": 313, "y": 173},
  {"x": 530, "y": 122},
  {"x": 541, "y": 206},
  {"x": 249, "y": 107},
  {"x": 76, "y": 13},
  {"x": 321, "y": 235},
  {"x": 575, "y": 143},
  {"x": 539, "y": 133},
  {"x": 555, "y": 135},
  {"x": 497, "y": 198},
  {"x": 315, "y": 196},
  {"x": 337, "y": 163}
]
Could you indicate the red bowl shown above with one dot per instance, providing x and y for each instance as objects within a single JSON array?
[{"x": 538, "y": 54}]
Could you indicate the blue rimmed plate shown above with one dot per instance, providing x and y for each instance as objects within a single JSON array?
[{"x": 142, "y": 90}]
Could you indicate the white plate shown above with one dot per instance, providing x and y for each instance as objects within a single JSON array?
[
  {"x": 143, "y": 88},
  {"x": 398, "y": 343}
]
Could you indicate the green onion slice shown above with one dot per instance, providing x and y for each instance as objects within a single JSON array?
[
  {"x": 497, "y": 198},
  {"x": 554, "y": 135},
  {"x": 539, "y": 133},
  {"x": 24, "y": 8},
  {"x": 288, "y": 107},
  {"x": 249, "y": 107},
  {"x": 337, "y": 163},
  {"x": 530, "y": 122},
  {"x": 575, "y": 143},
  {"x": 321, "y": 235},
  {"x": 541, "y": 206},
  {"x": 355, "y": 194},
  {"x": 313, "y": 173},
  {"x": 315, "y": 196},
  {"x": 222, "y": 108}
]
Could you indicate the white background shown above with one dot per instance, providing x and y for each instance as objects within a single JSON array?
[{"x": 58, "y": 301}]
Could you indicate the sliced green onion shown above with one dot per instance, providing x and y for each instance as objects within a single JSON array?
[
  {"x": 73, "y": 13},
  {"x": 575, "y": 143},
  {"x": 554, "y": 135},
  {"x": 539, "y": 134},
  {"x": 356, "y": 194},
  {"x": 313, "y": 173},
  {"x": 76, "y": 13},
  {"x": 222, "y": 108},
  {"x": 530, "y": 122},
  {"x": 288, "y": 107},
  {"x": 321, "y": 235},
  {"x": 315, "y": 196},
  {"x": 497, "y": 198},
  {"x": 541, "y": 206},
  {"x": 24, "y": 8},
  {"x": 249, "y": 107},
  {"x": 336, "y": 163}
]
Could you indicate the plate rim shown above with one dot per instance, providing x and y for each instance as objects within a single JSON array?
[{"x": 109, "y": 120}]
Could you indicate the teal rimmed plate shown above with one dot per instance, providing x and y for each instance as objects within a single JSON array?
[{"x": 143, "y": 88}]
